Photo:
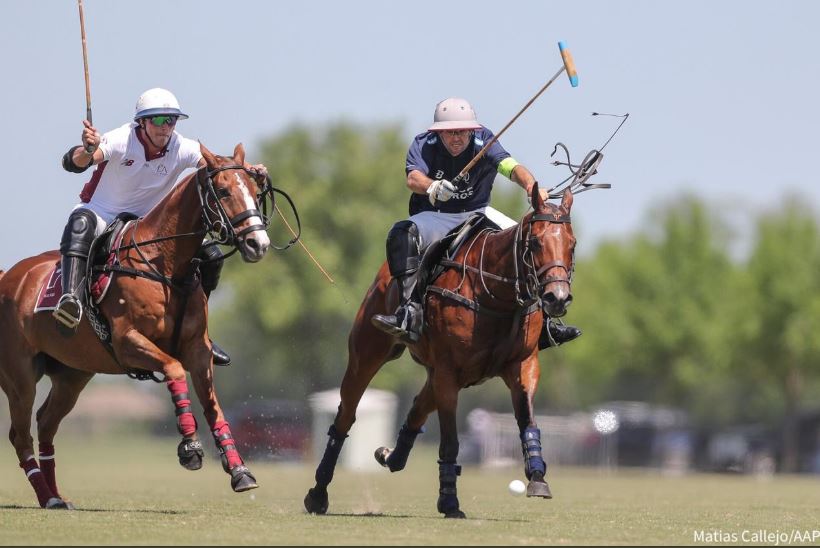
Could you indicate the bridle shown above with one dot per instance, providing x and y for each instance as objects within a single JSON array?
[
  {"x": 530, "y": 298},
  {"x": 534, "y": 284},
  {"x": 221, "y": 228},
  {"x": 217, "y": 225}
]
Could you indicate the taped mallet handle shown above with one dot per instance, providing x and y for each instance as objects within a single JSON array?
[
  {"x": 568, "y": 66},
  {"x": 85, "y": 68}
]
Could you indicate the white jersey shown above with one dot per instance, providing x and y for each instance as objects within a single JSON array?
[{"x": 128, "y": 180}]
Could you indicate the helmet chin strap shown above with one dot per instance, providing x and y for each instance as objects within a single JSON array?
[{"x": 147, "y": 135}]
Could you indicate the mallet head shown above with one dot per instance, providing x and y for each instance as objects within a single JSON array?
[{"x": 569, "y": 64}]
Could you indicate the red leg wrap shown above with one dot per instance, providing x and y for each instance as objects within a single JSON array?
[
  {"x": 224, "y": 439},
  {"x": 47, "y": 466},
  {"x": 37, "y": 480},
  {"x": 186, "y": 423}
]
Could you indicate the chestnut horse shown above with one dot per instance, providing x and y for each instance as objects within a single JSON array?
[
  {"x": 157, "y": 313},
  {"x": 482, "y": 319}
]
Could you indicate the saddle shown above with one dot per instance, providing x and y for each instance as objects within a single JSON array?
[
  {"x": 99, "y": 254},
  {"x": 431, "y": 266}
]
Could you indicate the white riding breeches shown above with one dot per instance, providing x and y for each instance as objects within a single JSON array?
[{"x": 434, "y": 225}]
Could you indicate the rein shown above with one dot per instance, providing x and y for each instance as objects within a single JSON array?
[{"x": 526, "y": 303}]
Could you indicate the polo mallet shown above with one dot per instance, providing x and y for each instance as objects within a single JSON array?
[
  {"x": 568, "y": 66},
  {"x": 85, "y": 67}
]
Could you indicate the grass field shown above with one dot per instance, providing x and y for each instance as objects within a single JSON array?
[{"x": 134, "y": 492}]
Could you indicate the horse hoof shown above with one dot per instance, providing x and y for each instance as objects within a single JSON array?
[
  {"x": 382, "y": 453},
  {"x": 242, "y": 480},
  {"x": 190, "y": 453},
  {"x": 456, "y": 514},
  {"x": 316, "y": 501},
  {"x": 55, "y": 503},
  {"x": 539, "y": 488}
]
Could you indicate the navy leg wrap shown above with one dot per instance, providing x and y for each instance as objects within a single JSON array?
[
  {"x": 398, "y": 457},
  {"x": 324, "y": 473},
  {"x": 531, "y": 446},
  {"x": 448, "y": 472}
]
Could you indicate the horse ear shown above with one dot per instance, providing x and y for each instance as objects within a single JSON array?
[
  {"x": 566, "y": 201},
  {"x": 239, "y": 154},
  {"x": 210, "y": 159},
  {"x": 535, "y": 198}
]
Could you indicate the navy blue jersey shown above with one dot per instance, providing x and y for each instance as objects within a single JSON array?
[{"x": 428, "y": 155}]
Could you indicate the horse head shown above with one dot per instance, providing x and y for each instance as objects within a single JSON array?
[
  {"x": 549, "y": 252},
  {"x": 230, "y": 196}
]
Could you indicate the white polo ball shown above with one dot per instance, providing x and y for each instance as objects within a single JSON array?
[{"x": 517, "y": 488}]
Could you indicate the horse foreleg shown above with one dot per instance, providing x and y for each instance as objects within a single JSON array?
[
  {"x": 137, "y": 351},
  {"x": 446, "y": 389},
  {"x": 18, "y": 380},
  {"x": 66, "y": 385},
  {"x": 241, "y": 477},
  {"x": 522, "y": 380},
  {"x": 368, "y": 350},
  {"x": 423, "y": 404}
]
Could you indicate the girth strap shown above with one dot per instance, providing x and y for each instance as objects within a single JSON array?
[{"x": 484, "y": 309}]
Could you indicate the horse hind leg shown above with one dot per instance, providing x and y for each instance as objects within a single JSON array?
[
  {"x": 66, "y": 387},
  {"x": 18, "y": 378}
]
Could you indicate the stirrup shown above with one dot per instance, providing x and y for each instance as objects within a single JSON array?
[
  {"x": 398, "y": 325},
  {"x": 64, "y": 313}
]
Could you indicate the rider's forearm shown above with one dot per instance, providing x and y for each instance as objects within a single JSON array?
[
  {"x": 523, "y": 178},
  {"x": 418, "y": 182},
  {"x": 81, "y": 158}
]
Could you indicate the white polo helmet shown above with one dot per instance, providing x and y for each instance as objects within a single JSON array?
[
  {"x": 454, "y": 113},
  {"x": 158, "y": 102}
]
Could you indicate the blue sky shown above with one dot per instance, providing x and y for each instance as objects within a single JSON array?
[{"x": 721, "y": 94}]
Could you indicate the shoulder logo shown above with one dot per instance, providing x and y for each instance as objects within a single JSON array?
[
  {"x": 127, "y": 163},
  {"x": 432, "y": 140},
  {"x": 479, "y": 142}
]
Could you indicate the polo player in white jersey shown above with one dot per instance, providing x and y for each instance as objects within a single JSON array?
[{"x": 138, "y": 164}]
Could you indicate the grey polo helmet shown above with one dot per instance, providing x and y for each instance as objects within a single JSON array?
[
  {"x": 454, "y": 113},
  {"x": 158, "y": 102}
]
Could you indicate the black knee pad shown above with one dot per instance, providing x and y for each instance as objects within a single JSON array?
[
  {"x": 211, "y": 268},
  {"x": 403, "y": 248},
  {"x": 79, "y": 232}
]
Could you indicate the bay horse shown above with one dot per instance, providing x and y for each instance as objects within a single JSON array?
[
  {"x": 157, "y": 312},
  {"x": 478, "y": 325}
]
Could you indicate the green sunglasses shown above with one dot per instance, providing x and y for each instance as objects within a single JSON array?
[{"x": 160, "y": 121}]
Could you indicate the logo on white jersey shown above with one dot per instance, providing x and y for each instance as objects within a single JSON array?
[{"x": 161, "y": 170}]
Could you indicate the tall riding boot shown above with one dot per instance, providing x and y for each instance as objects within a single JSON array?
[
  {"x": 210, "y": 271},
  {"x": 407, "y": 321},
  {"x": 554, "y": 334},
  {"x": 75, "y": 245},
  {"x": 69, "y": 309},
  {"x": 403, "y": 250}
]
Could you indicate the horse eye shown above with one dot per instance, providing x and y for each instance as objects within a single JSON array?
[
  {"x": 222, "y": 192},
  {"x": 535, "y": 243}
]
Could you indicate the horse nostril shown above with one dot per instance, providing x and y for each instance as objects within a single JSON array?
[
  {"x": 252, "y": 243},
  {"x": 550, "y": 297},
  {"x": 568, "y": 301}
]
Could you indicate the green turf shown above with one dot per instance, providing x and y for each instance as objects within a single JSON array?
[{"x": 136, "y": 493}]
